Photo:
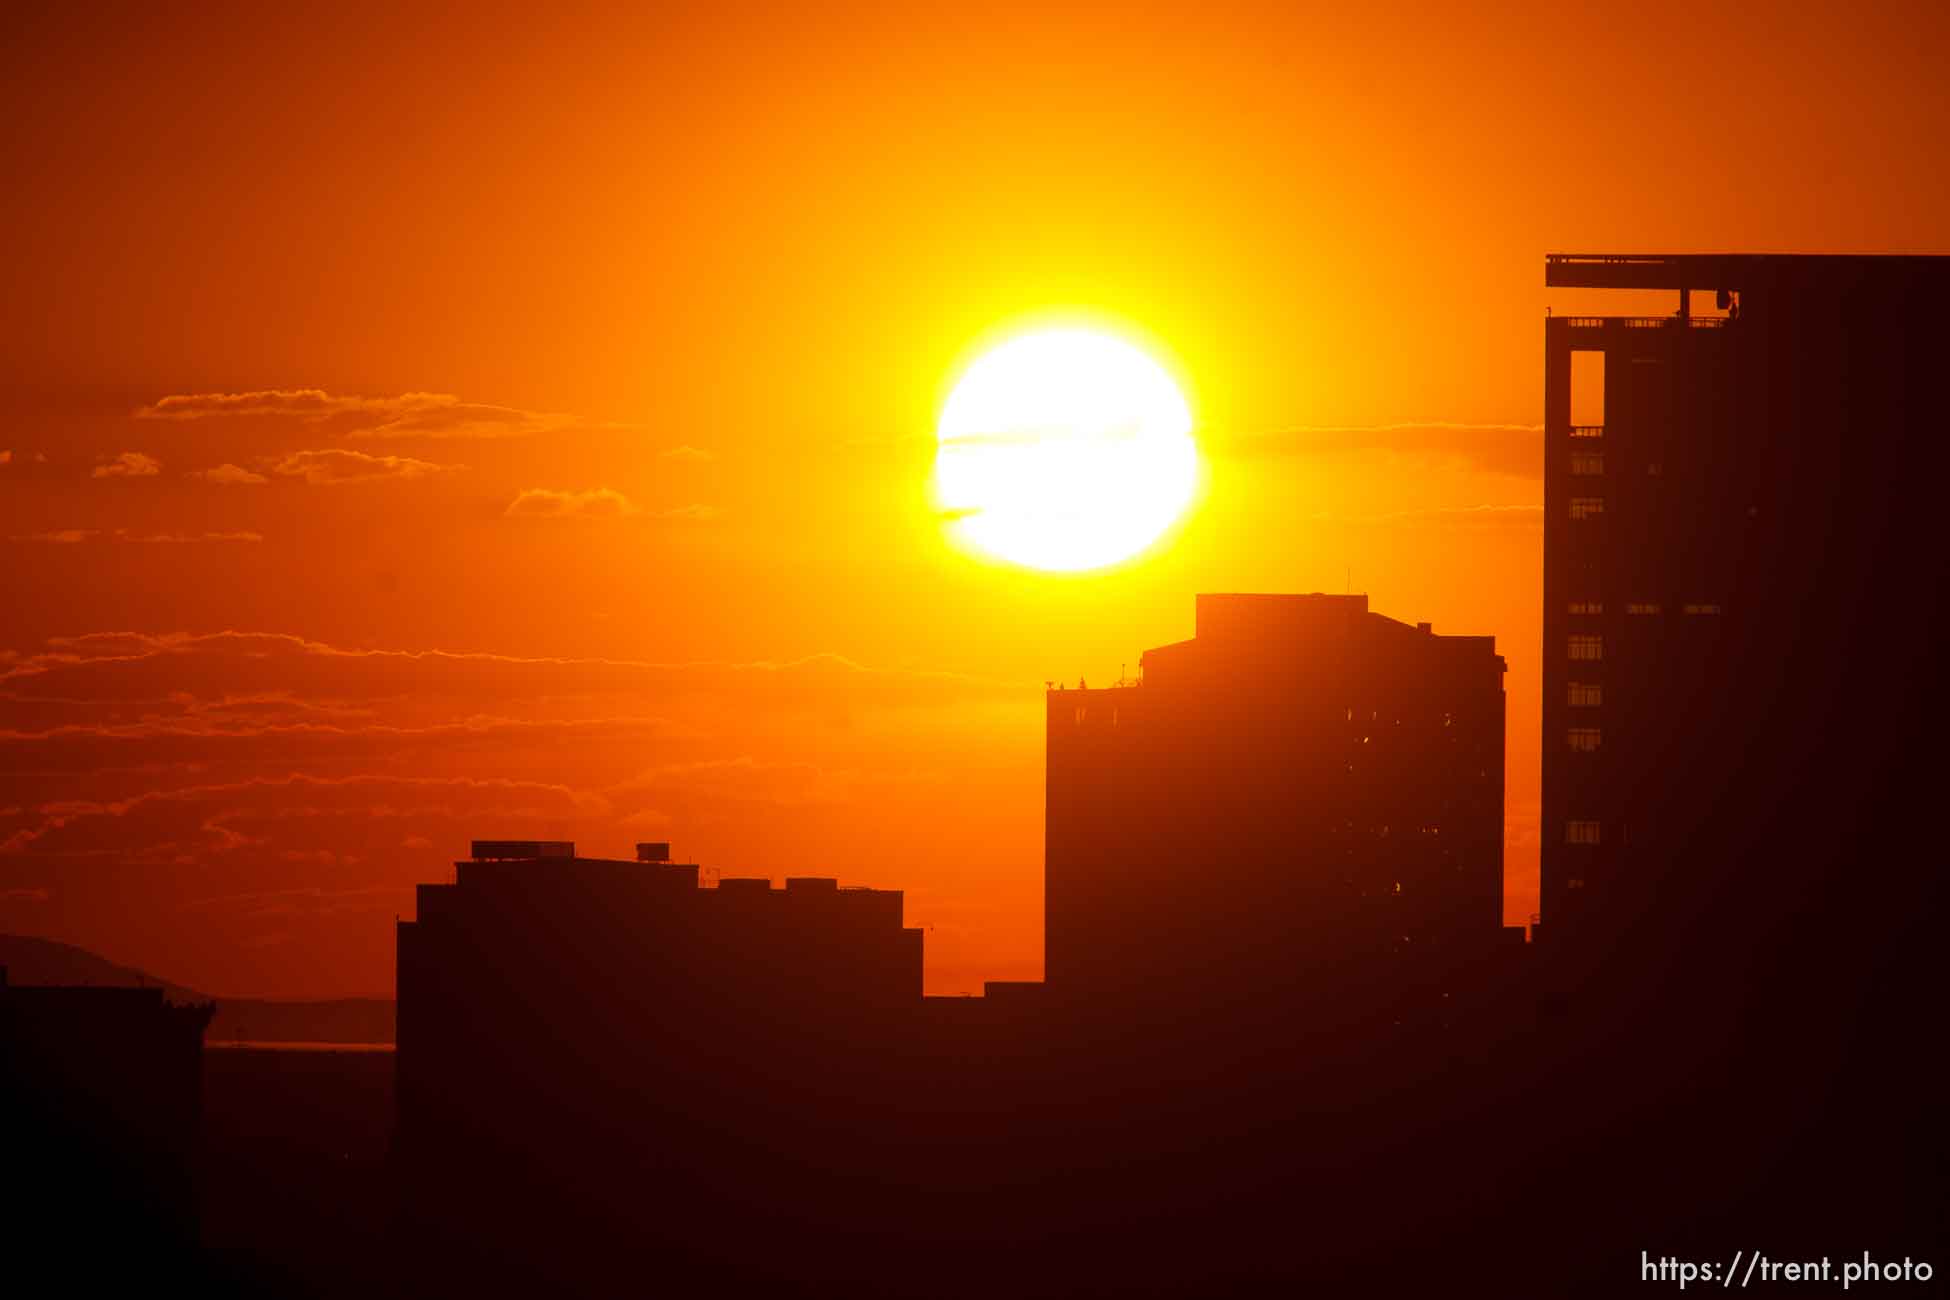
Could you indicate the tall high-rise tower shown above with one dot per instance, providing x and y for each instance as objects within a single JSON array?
[
  {"x": 1301, "y": 785},
  {"x": 1744, "y": 569}
]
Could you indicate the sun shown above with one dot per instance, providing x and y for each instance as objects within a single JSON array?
[{"x": 1064, "y": 449}]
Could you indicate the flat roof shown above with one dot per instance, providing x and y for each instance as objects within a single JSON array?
[{"x": 1728, "y": 270}]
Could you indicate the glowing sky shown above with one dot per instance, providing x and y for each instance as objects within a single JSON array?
[{"x": 418, "y": 426}]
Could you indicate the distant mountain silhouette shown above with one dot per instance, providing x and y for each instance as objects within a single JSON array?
[{"x": 30, "y": 960}]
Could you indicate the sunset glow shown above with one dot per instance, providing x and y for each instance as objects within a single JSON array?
[
  {"x": 1064, "y": 449},
  {"x": 549, "y": 451}
]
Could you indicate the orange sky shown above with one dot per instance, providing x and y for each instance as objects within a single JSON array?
[{"x": 660, "y": 562}]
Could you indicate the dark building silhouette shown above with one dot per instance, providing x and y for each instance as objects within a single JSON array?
[
  {"x": 555, "y": 960},
  {"x": 1302, "y": 782},
  {"x": 1284, "y": 1037},
  {"x": 1275, "y": 884},
  {"x": 1732, "y": 558},
  {"x": 593, "y": 1051},
  {"x": 100, "y": 1098},
  {"x": 1744, "y": 587},
  {"x": 1285, "y": 1042}
]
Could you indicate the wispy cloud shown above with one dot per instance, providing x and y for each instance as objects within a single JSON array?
[
  {"x": 303, "y": 403},
  {"x": 71, "y": 536},
  {"x": 335, "y": 465},
  {"x": 214, "y": 811},
  {"x": 126, "y": 536},
  {"x": 1513, "y": 449},
  {"x": 229, "y": 475},
  {"x": 192, "y": 739},
  {"x": 548, "y": 503},
  {"x": 1483, "y": 514},
  {"x": 408, "y": 415},
  {"x": 143, "y": 665},
  {"x": 60, "y": 537},
  {"x": 697, "y": 510},
  {"x": 130, "y": 464},
  {"x": 1401, "y": 426},
  {"x": 685, "y": 452},
  {"x": 453, "y": 418}
]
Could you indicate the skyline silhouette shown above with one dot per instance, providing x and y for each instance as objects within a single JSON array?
[
  {"x": 972, "y": 652},
  {"x": 588, "y": 407},
  {"x": 1277, "y": 960}
]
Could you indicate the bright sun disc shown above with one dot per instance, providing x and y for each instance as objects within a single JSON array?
[{"x": 1064, "y": 449}]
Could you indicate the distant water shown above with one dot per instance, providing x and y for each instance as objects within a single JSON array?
[{"x": 248, "y": 1045}]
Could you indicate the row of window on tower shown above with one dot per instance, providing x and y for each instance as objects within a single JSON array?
[
  {"x": 1591, "y": 464},
  {"x": 1589, "y": 607}
]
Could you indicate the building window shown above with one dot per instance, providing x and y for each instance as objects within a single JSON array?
[
  {"x": 1585, "y": 646},
  {"x": 1653, "y": 469},
  {"x": 1584, "y": 740},
  {"x": 1643, "y": 607},
  {"x": 1587, "y": 507},
  {"x": 1702, "y": 609},
  {"x": 1575, "y": 882},
  {"x": 1588, "y": 464},
  {"x": 1587, "y": 431},
  {"x": 1582, "y": 832},
  {"x": 1587, "y": 695},
  {"x": 1587, "y": 376},
  {"x": 1587, "y": 607}
]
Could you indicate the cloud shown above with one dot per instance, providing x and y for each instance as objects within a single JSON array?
[
  {"x": 229, "y": 475},
  {"x": 685, "y": 452},
  {"x": 595, "y": 503},
  {"x": 123, "y": 535},
  {"x": 106, "y": 667},
  {"x": 409, "y": 415},
  {"x": 335, "y": 465},
  {"x": 130, "y": 464},
  {"x": 307, "y": 786},
  {"x": 199, "y": 740},
  {"x": 1521, "y": 514},
  {"x": 1513, "y": 449},
  {"x": 63, "y": 537},
  {"x": 70, "y": 536},
  {"x": 454, "y": 418},
  {"x": 305, "y": 403},
  {"x": 547, "y": 503},
  {"x": 178, "y": 823}
]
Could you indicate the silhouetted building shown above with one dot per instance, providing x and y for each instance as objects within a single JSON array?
[
  {"x": 1736, "y": 553},
  {"x": 1744, "y": 628},
  {"x": 1301, "y": 782},
  {"x": 100, "y": 1098},
  {"x": 533, "y": 952},
  {"x": 605, "y": 1047}
]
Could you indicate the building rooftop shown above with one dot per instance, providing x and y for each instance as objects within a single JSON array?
[
  {"x": 1245, "y": 634},
  {"x": 1731, "y": 271}
]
